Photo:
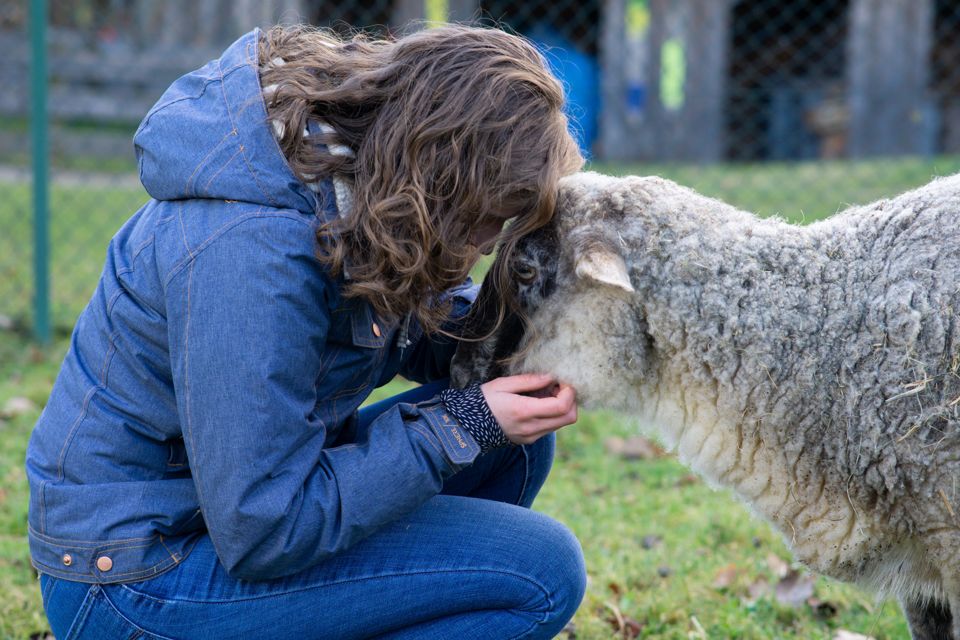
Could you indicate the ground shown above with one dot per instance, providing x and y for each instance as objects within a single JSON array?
[{"x": 667, "y": 557}]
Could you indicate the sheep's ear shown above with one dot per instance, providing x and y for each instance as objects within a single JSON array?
[{"x": 605, "y": 267}]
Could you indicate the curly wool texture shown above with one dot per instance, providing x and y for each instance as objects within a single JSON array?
[{"x": 814, "y": 369}]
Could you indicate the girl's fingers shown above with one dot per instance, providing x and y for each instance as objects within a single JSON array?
[
  {"x": 535, "y": 429},
  {"x": 524, "y": 418},
  {"x": 551, "y": 407},
  {"x": 523, "y": 383}
]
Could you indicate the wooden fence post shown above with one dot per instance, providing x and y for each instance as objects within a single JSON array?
[{"x": 888, "y": 62}]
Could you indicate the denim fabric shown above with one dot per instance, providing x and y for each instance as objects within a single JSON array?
[
  {"x": 458, "y": 566},
  {"x": 210, "y": 390}
]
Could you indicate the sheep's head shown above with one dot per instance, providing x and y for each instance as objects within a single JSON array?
[
  {"x": 575, "y": 309},
  {"x": 488, "y": 348}
]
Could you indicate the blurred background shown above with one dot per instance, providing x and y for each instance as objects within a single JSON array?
[
  {"x": 790, "y": 107},
  {"x": 796, "y": 108}
]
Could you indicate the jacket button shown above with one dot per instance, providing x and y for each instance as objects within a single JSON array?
[
  {"x": 104, "y": 563},
  {"x": 376, "y": 329},
  {"x": 67, "y": 559}
]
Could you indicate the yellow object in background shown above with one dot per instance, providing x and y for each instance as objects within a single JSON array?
[
  {"x": 436, "y": 11},
  {"x": 638, "y": 17},
  {"x": 673, "y": 74}
]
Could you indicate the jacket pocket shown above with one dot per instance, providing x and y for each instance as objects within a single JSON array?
[{"x": 355, "y": 347}]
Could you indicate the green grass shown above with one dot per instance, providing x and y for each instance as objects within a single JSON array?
[{"x": 611, "y": 504}]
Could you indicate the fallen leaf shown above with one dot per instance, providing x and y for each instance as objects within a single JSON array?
[
  {"x": 725, "y": 576},
  {"x": 841, "y": 634},
  {"x": 632, "y": 628},
  {"x": 625, "y": 626},
  {"x": 795, "y": 588},
  {"x": 640, "y": 448},
  {"x": 614, "y": 445},
  {"x": 16, "y": 406},
  {"x": 633, "y": 448},
  {"x": 757, "y": 589},
  {"x": 688, "y": 480},
  {"x": 777, "y": 565}
]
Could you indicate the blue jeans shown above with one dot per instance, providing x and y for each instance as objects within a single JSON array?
[{"x": 473, "y": 562}]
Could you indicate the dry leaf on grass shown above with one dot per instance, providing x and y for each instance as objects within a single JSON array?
[
  {"x": 633, "y": 448},
  {"x": 624, "y": 626},
  {"x": 726, "y": 576},
  {"x": 795, "y": 589},
  {"x": 757, "y": 589},
  {"x": 777, "y": 565},
  {"x": 688, "y": 480}
]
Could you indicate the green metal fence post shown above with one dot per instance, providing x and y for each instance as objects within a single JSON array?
[{"x": 41, "y": 187}]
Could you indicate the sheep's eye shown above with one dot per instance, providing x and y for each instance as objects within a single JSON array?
[{"x": 525, "y": 273}]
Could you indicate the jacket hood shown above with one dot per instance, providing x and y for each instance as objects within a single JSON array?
[{"x": 208, "y": 137}]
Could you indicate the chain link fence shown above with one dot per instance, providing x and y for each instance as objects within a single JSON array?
[{"x": 789, "y": 107}]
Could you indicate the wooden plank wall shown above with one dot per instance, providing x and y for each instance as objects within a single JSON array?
[
  {"x": 888, "y": 58},
  {"x": 671, "y": 106},
  {"x": 115, "y": 72}
]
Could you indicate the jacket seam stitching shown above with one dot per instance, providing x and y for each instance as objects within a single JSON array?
[
  {"x": 152, "y": 570},
  {"x": 188, "y": 185},
  {"x": 220, "y": 232},
  {"x": 186, "y": 372},
  {"x": 83, "y": 543},
  {"x": 165, "y": 105},
  {"x": 222, "y": 167},
  {"x": 101, "y": 385},
  {"x": 430, "y": 440},
  {"x": 183, "y": 230},
  {"x": 233, "y": 123},
  {"x": 113, "y": 301}
]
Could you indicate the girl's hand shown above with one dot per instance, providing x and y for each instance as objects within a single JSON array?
[{"x": 525, "y": 418}]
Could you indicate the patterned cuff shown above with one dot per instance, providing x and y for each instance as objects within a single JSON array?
[{"x": 470, "y": 409}]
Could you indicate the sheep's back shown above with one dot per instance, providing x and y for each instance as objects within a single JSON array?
[
  {"x": 897, "y": 402},
  {"x": 833, "y": 345}
]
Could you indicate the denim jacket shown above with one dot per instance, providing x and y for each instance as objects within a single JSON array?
[{"x": 212, "y": 382}]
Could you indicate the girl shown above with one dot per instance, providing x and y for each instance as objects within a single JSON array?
[{"x": 202, "y": 469}]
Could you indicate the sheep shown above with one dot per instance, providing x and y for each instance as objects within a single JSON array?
[{"x": 815, "y": 370}]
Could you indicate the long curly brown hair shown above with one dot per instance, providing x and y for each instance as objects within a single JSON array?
[{"x": 452, "y": 129}]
